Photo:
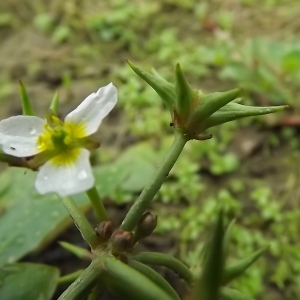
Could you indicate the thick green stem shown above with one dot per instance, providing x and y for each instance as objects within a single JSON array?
[
  {"x": 161, "y": 259},
  {"x": 97, "y": 203},
  {"x": 87, "y": 231},
  {"x": 141, "y": 204},
  {"x": 79, "y": 289}
]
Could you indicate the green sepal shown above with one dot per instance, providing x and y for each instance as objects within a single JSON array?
[
  {"x": 81, "y": 253},
  {"x": 55, "y": 104},
  {"x": 209, "y": 284},
  {"x": 231, "y": 294},
  {"x": 130, "y": 282},
  {"x": 184, "y": 95},
  {"x": 26, "y": 104},
  {"x": 234, "y": 111},
  {"x": 236, "y": 269},
  {"x": 163, "y": 88},
  {"x": 155, "y": 277},
  {"x": 209, "y": 104}
]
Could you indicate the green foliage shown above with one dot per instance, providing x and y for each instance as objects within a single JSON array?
[
  {"x": 25, "y": 281},
  {"x": 28, "y": 221}
]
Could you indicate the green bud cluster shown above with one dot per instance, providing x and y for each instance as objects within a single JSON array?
[{"x": 192, "y": 111}]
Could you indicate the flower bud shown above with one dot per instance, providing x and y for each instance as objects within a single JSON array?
[
  {"x": 104, "y": 230},
  {"x": 121, "y": 240},
  {"x": 145, "y": 226}
]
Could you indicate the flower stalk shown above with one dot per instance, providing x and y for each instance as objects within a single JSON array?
[
  {"x": 87, "y": 231},
  {"x": 141, "y": 204},
  {"x": 97, "y": 204}
]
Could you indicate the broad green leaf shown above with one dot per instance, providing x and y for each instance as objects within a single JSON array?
[
  {"x": 27, "y": 281},
  {"x": 28, "y": 221},
  {"x": 109, "y": 178}
]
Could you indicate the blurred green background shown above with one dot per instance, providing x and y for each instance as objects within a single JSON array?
[{"x": 251, "y": 166}]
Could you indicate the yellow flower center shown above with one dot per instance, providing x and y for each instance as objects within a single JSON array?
[{"x": 61, "y": 139}]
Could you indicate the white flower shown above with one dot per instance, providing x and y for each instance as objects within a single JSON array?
[{"x": 61, "y": 146}]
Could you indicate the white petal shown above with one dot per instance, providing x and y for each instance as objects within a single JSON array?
[
  {"x": 18, "y": 135},
  {"x": 94, "y": 108},
  {"x": 66, "y": 180}
]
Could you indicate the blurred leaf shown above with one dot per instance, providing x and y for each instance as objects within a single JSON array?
[
  {"x": 291, "y": 61},
  {"x": 29, "y": 220},
  {"x": 26, "y": 281},
  {"x": 231, "y": 294},
  {"x": 209, "y": 284},
  {"x": 238, "y": 268}
]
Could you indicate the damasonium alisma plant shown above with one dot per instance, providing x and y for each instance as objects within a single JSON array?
[{"x": 59, "y": 152}]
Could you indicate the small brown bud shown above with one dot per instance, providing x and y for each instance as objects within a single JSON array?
[
  {"x": 121, "y": 240},
  {"x": 145, "y": 226},
  {"x": 104, "y": 230}
]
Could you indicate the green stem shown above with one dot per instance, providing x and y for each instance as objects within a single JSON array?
[
  {"x": 69, "y": 278},
  {"x": 79, "y": 289},
  {"x": 97, "y": 203},
  {"x": 141, "y": 204},
  {"x": 161, "y": 259},
  {"x": 87, "y": 231}
]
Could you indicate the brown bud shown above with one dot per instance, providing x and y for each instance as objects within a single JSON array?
[
  {"x": 121, "y": 240},
  {"x": 104, "y": 230},
  {"x": 145, "y": 226}
]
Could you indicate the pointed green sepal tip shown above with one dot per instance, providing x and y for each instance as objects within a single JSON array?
[
  {"x": 26, "y": 104},
  {"x": 227, "y": 237},
  {"x": 163, "y": 88},
  {"x": 210, "y": 281},
  {"x": 235, "y": 111},
  {"x": 184, "y": 95},
  {"x": 210, "y": 103},
  {"x": 238, "y": 268},
  {"x": 55, "y": 103}
]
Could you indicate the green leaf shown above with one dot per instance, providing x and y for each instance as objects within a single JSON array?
[
  {"x": 210, "y": 103},
  {"x": 231, "y": 294},
  {"x": 238, "y": 268},
  {"x": 209, "y": 284},
  {"x": 234, "y": 111},
  {"x": 163, "y": 88},
  {"x": 27, "y": 281},
  {"x": 26, "y": 104},
  {"x": 155, "y": 277},
  {"x": 29, "y": 221},
  {"x": 132, "y": 283},
  {"x": 184, "y": 95}
]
